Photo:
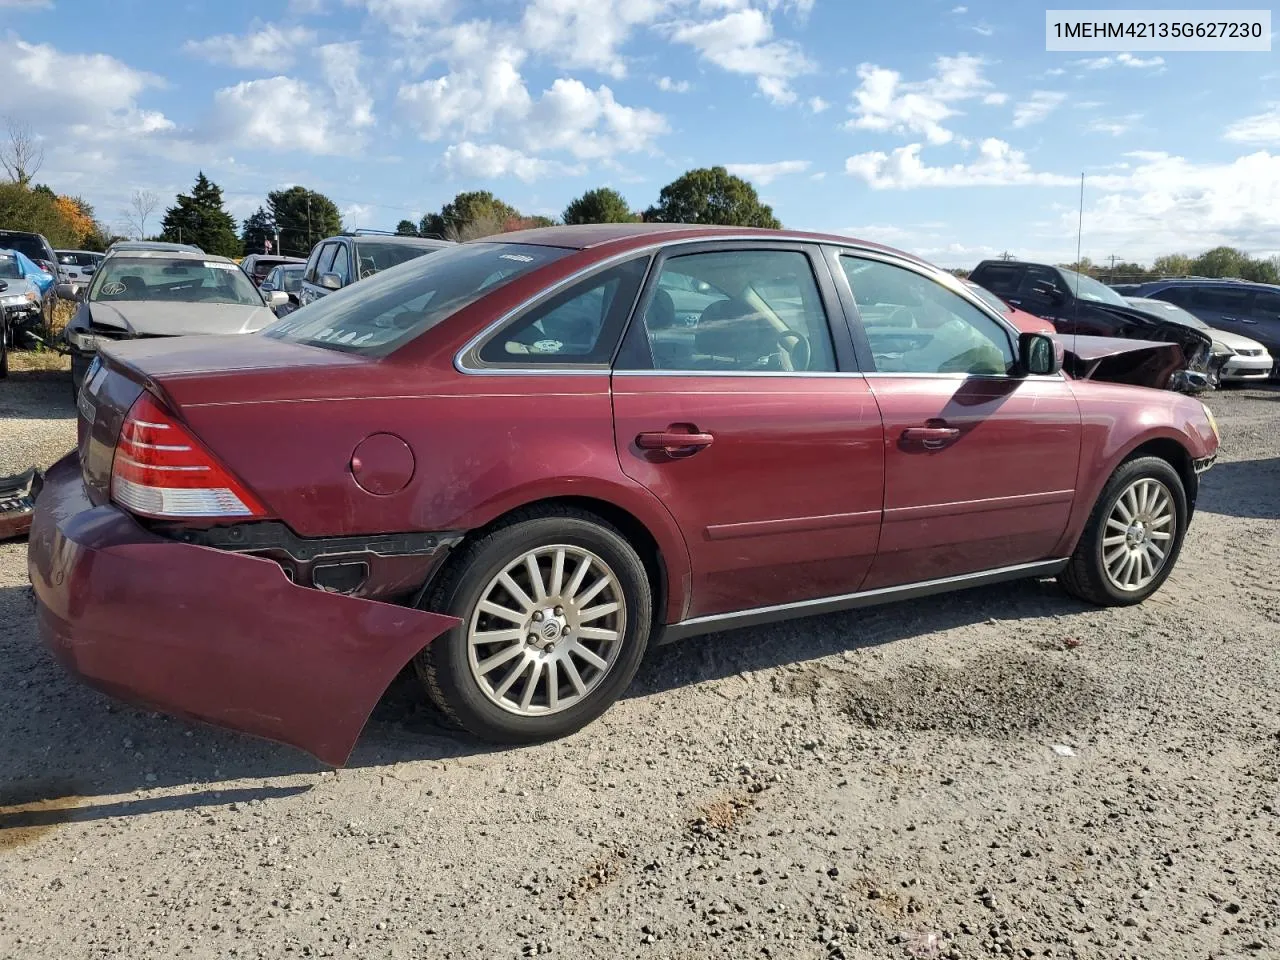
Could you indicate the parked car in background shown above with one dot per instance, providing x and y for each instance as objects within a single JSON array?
[
  {"x": 1235, "y": 358},
  {"x": 280, "y": 288},
  {"x": 1232, "y": 306},
  {"x": 29, "y": 299},
  {"x": 1026, "y": 322},
  {"x": 33, "y": 246},
  {"x": 340, "y": 261},
  {"x": 257, "y": 265},
  {"x": 160, "y": 293},
  {"x": 1079, "y": 305},
  {"x": 497, "y": 463},
  {"x": 127, "y": 246},
  {"x": 77, "y": 266}
]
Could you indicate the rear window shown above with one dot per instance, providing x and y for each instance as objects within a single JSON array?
[
  {"x": 377, "y": 315},
  {"x": 374, "y": 257},
  {"x": 29, "y": 245},
  {"x": 1000, "y": 280}
]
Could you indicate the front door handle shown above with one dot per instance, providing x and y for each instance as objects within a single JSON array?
[
  {"x": 677, "y": 441},
  {"x": 934, "y": 438}
]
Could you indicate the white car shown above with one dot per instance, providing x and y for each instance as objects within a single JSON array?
[
  {"x": 76, "y": 267},
  {"x": 1247, "y": 359}
]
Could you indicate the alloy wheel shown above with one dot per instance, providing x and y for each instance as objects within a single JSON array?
[
  {"x": 1138, "y": 534},
  {"x": 547, "y": 630}
]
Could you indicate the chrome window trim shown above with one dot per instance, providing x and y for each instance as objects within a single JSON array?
[{"x": 459, "y": 360}]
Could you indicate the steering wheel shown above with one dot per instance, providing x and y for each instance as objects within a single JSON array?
[{"x": 795, "y": 348}]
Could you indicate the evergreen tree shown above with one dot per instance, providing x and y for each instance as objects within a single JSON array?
[
  {"x": 304, "y": 218},
  {"x": 406, "y": 228},
  {"x": 200, "y": 218}
]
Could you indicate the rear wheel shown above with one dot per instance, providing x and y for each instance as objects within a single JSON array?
[
  {"x": 556, "y": 610},
  {"x": 1133, "y": 536}
]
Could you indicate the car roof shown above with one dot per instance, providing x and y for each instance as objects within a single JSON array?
[
  {"x": 1210, "y": 281},
  {"x": 191, "y": 255},
  {"x": 152, "y": 245},
  {"x": 590, "y": 235},
  {"x": 433, "y": 242}
]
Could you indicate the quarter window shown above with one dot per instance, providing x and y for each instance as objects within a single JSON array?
[
  {"x": 916, "y": 325},
  {"x": 746, "y": 311},
  {"x": 580, "y": 325},
  {"x": 1266, "y": 305}
]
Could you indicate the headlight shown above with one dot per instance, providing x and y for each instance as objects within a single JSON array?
[
  {"x": 1213, "y": 422},
  {"x": 1220, "y": 347},
  {"x": 12, "y": 301},
  {"x": 82, "y": 341}
]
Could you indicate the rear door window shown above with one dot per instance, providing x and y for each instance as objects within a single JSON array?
[
  {"x": 1223, "y": 300},
  {"x": 1000, "y": 279},
  {"x": 1266, "y": 305}
]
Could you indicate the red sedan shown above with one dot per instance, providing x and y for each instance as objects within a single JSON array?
[{"x": 521, "y": 462}]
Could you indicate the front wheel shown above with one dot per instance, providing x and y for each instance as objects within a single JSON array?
[
  {"x": 556, "y": 610},
  {"x": 1133, "y": 536}
]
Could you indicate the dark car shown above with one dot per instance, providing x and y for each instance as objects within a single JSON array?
[
  {"x": 1077, "y": 304},
  {"x": 257, "y": 265},
  {"x": 498, "y": 464},
  {"x": 340, "y": 261},
  {"x": 34, "y": 246},
  {"x": 1236, "y": 306},
  {"x": 280, "y": 288}
]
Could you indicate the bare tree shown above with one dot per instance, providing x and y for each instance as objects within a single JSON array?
[
  {"x": 22, "y": 154},
  {"x": 142, "y": 205}
]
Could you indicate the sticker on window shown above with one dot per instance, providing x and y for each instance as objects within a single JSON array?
[
  {"x": 517, "y": 257},
  {"x": 219, "y": 265}
]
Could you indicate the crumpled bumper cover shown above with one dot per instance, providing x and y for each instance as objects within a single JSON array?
[{"x": 214, "y": 636}]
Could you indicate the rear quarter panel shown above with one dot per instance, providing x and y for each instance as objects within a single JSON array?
[{"x": 1116, "y": 419}]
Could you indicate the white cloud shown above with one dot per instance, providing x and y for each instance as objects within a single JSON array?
[
  {"x": 25, "y": 4},
  {"x": 1037, "y": 107},
  {"x": 1119, "y": 60},
  {"x": 667, "y": 85},
  {"x": 586, "y": 33},
  {"x": 488, "y": 161},
  {"x": 1260, "y": 128},
  {"x": 883, "y": 102},
  {"x": 1114, "y": 126},
  {"x": 983, "y": 30},
  {"x": 589, "y": 124},
  {"x": 265, "y": 47},
  {"x": 818, "y": 105},
  {"x": 306, "y": 7},
  {"x": 995, "y": 99},
  {"x": 355, "y": 214},
  {"x": 998, "y": 164},
  {"x": 1169, "y": 203},
  {"x": 742, "y": 42},
  {"x": 407, "y": 18},
  {"x": 340, "y": 66},
  {"x": 1054, "y": 72},
  {"x": 279, "y": 113},
  {"x": 958, "y": 10},
  {"x": 766, "y": 173},
  {"x": 470, "y": 99},
  {"x": 95, "y": 94}
]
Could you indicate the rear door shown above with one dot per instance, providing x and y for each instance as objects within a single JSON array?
[
  {"x": 738, "y": 403},
  {"x": 980, "y": 463},
  {"x": 1264, "y": 322}
]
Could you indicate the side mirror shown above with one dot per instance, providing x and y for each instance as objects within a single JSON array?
[
  {"x": 1039, "y": 354},
  {"x": 276, "y": 298},
  {"x": 330, "y": 281},
  {"x": 69, "y": 291},
  {"x": 4, "y": 285}
]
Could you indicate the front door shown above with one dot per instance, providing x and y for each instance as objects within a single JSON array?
[
  {"x": 736, "y": 407},
  {"x": 980, "y": 463}
]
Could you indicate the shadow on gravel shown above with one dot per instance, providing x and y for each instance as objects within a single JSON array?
[
  {"x": 722, "y": 655},
  {"x": 37, "y": 395},
  {"x": 1243, "y": 488},
  {"x": 61, "y": 743}
]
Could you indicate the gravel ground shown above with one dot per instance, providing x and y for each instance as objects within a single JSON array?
[{"x": 1002, "y": 772}]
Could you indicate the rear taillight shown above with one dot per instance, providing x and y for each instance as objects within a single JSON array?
[{"x": 161, "y": 470}]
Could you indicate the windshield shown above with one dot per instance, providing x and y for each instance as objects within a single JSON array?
[
  {"x": 377, "y": 315},
  {"x": 29, "y": 245},
  {"x": 375, "y": 256},
  {"x": 185, "y": 280},
  {"x": 1167, "y": 311},
  {"x": 1087, "y": 288},
  {"x": 989, "y": 298},
  {"x": 9, "y": 269}
]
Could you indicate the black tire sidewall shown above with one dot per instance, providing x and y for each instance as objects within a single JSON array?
[
  {"x": 449, "y": 653},
  {"x": 1147, "y": 467}
]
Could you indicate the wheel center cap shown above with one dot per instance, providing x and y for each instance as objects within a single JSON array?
[
  {"x": 1137, "y": 533},
  {"x": 550, "y": 629}
]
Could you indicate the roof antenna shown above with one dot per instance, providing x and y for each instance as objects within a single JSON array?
[{"x": 1075, "y": 307}]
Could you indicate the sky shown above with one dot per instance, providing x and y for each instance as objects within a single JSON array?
[{"x": 938, "y": 127}]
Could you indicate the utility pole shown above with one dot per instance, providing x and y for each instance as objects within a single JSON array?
[
  {"x": 1006, "y": 255},
  {"x": 1113, "y": 258},
  {"x": 308, "y": 223},
  {"x": 278, "y": 241}
]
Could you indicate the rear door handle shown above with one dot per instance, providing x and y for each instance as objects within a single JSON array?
[
  {"x": 674, "y": 442},
  {"x": 935, "y": 438}
]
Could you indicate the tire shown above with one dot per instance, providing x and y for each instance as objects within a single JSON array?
[
  {"x": 1088, "y": 576},
  {"x": 460, "y": 677}
]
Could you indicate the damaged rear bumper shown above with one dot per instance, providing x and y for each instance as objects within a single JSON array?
[
  {"x": 203, "y": 633},
  {"x": 17, "y": 502}
]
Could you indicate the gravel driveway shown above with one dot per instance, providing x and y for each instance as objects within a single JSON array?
[{"x": 1002, "y": 772}]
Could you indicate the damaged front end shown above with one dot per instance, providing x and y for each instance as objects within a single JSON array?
[
  {"x": 1140, "y": 363},
  {"x": 18, "y": 502},
  {"x": 1195, "y": 370}
]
